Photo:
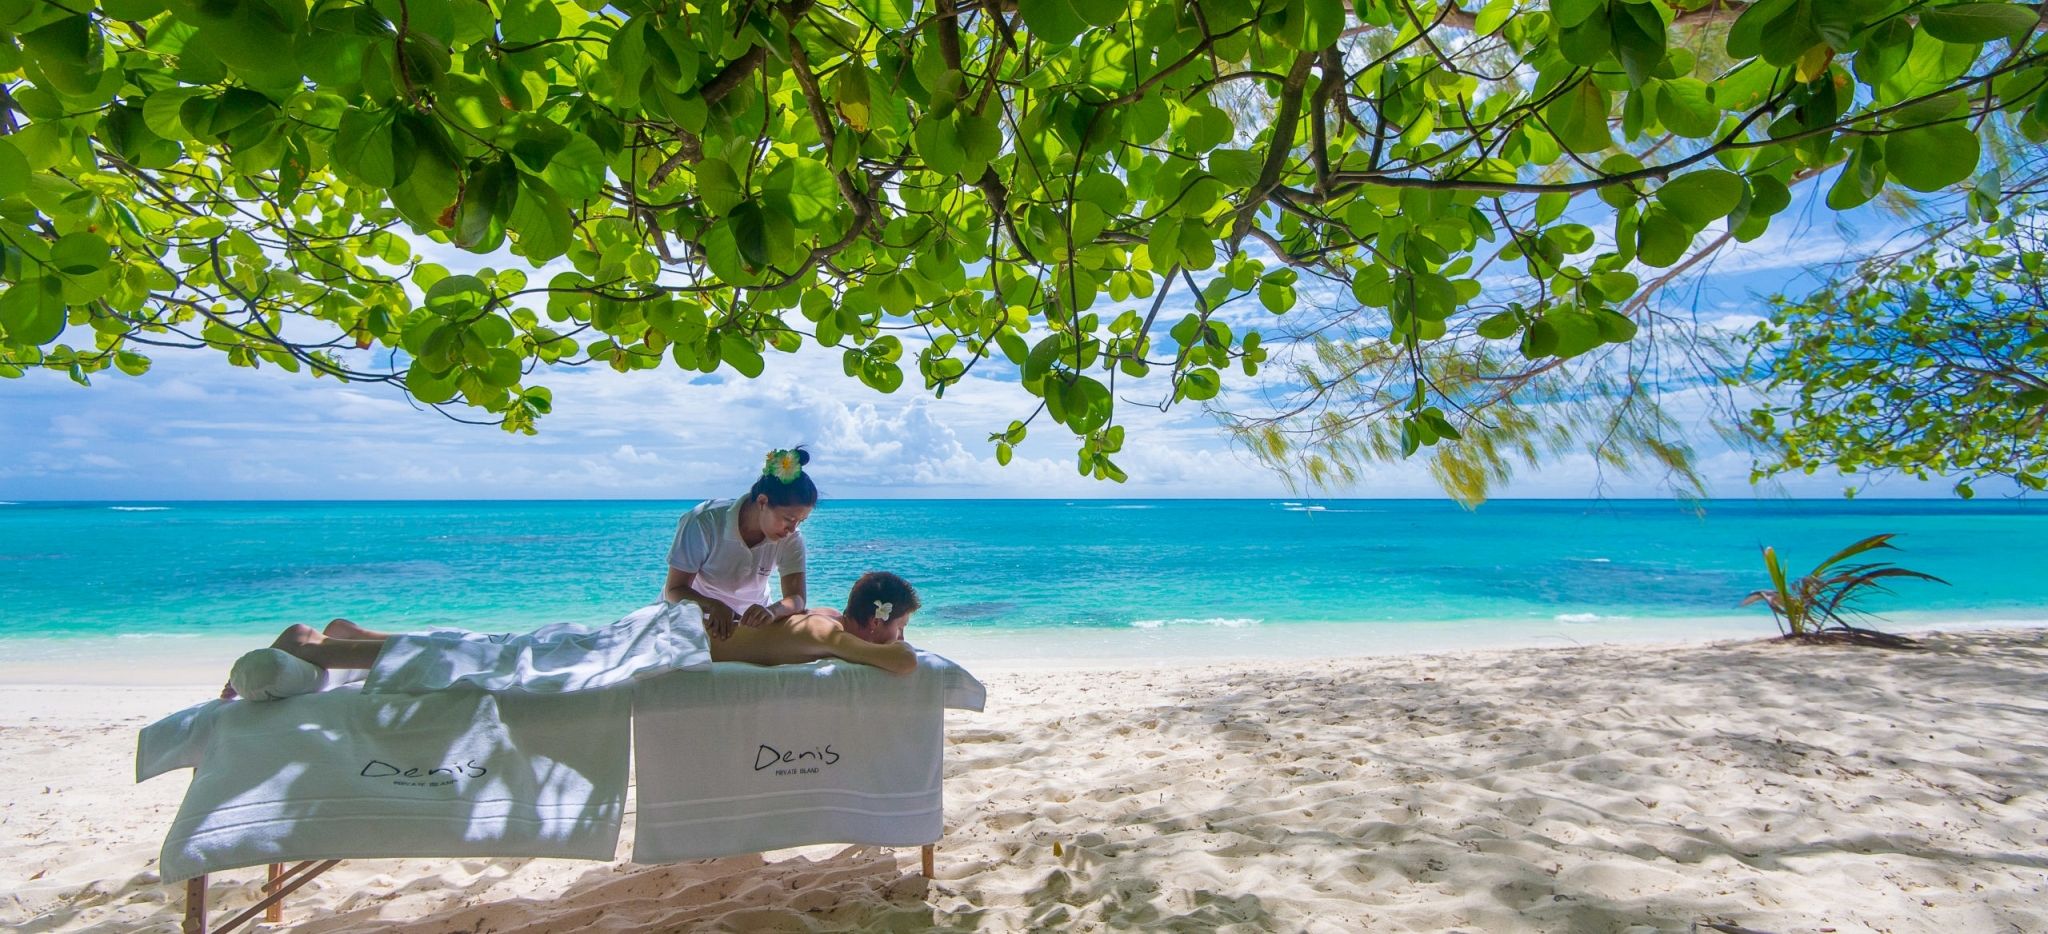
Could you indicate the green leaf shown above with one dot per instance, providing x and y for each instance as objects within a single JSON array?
[
  {"x": 1661, "y": 237},
  {"x": 1087, "y": 403},
  {"x": 1934, "y": 157},
  {"x": 1884, "y": 51},
  {"x": 32, "y": 311},
  {"x": 523, "y": 21},
  {"x": 737, "y": 350},
  {"x": 1237, "y": 168},
  {"x": 1588, "y": 43},
  {"x": 487, "y": 201},
  {"x": 541, "y": 220},
  {"x": 807, "y": 187},
  {"x": 1311, "y": 25},
  {"x": 458, "y": 296},
  {"x": 1702, "y": 197},
  {"x": 1686, "y": 107},
  {"x": 981, "y": 136},
  {"x": 1056, "y": 23},
  {"x": 1277, "y": 298},
  {"x": 66, "y": 51},
  {"x": 1499, "y": 326},
  {"x": 1492, "y": 16},
  {"x": 1614, "y": 327},
  {"x": 428, "y": 388},
  {"x": 1788, "y": 36},
  {"x": 79, "y": 254},
  {"x": 1578, "y": 118},
  {"x": 750, "y": 233},
  {"x": 1977, "y": 22},
  {"x": 1569, "y": 13},
  {"x": 1638, "y": 39},
  {"x": 719, "y": 186},
  {"x": 14, "y": 170},
  {"x": 938, "y": 144},
  {"x": 374, "y": 148}
]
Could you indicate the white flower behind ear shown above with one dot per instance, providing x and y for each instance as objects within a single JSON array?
[{"x": 883, "y": 610}]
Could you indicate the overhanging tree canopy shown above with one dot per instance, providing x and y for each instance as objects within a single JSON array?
[
  {"x": 1930, "y": 362},
  {"x": 728, "y": 179}
]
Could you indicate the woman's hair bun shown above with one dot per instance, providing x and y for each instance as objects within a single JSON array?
[{"x": 802, "y": 456}]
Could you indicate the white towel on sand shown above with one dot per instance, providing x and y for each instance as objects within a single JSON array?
[
  {"x": 744, "y": 758},
  {"x": 344, "y": 774},
  {"x": 554, "y": 659}
]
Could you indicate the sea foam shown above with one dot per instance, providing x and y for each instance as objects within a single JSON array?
[
  {"x": 1586, "y": 618},
  {"x": 1219, "y": 622}
]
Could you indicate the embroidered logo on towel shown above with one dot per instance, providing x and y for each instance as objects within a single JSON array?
[{"x": 795, "y": 761}]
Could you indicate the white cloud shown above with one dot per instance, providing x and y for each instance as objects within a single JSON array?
[
  {"x": 627, "y": 455},
  {"x": 195, "y": 428}
]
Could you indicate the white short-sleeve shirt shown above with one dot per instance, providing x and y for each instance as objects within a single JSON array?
[{"x": 708, "y": 545}]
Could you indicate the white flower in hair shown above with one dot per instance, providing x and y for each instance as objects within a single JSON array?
[{"x": 883, "y": 610}]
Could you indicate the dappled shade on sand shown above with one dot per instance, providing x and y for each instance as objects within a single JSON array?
[{"x": 1772, "y": 787}]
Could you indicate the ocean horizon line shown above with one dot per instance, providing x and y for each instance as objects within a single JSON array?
[{"x": 1676, "y": 500}]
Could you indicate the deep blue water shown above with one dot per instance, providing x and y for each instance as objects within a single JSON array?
[{"x": 247, "y": 568}]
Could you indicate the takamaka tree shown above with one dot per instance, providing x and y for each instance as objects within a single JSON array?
[{"x": 713, "y": 183}]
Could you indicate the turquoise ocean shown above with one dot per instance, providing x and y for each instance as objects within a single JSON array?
[{"x": 1014, "y": 579}]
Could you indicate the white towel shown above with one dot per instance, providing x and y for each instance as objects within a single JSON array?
[
  {"x": 343, "y": 774},
  {"x": 563, "y": 657},
  {"x": 745, "y": 758}
]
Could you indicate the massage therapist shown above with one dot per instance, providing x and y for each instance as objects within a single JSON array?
[{"x": 725, "y": 549}]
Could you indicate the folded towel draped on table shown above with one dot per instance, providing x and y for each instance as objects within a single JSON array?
[
  {"x": 343, "y": 774},
  {"x": 743, "y": 758}
]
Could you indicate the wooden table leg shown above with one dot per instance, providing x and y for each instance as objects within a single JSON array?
[
  {"x": 927, "y": 860},
  {"x": 275, "y": 913},
  {"x": 195, "y": 905}
]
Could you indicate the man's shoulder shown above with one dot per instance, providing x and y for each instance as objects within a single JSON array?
[{"x": 821, "y": 623}]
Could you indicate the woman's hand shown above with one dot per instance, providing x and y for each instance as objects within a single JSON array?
[
  {"x": 757, "y": 616},
  {"x": 718, "y": 619}
]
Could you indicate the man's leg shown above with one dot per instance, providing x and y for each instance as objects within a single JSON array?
[
  {"x": 344, "y": 629},
  {"x": 329, "y": 652},
  {"x": 326, "y": 651}
]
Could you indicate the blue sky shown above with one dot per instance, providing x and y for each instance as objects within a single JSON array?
[{"x": 196, "y": 428}]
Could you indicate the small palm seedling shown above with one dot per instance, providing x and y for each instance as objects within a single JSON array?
[{"x": 1815, "y": 607}]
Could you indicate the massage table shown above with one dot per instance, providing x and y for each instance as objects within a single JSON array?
[{"x": 728, "y": 758}]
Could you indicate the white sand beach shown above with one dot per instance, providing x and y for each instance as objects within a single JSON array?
[{"x": 1611, "y": 788}]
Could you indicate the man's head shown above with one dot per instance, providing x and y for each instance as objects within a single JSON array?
[{"x": 879, "y": 606}]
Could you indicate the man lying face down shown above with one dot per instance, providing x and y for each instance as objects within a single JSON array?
[{"x": 869, "y": 632}]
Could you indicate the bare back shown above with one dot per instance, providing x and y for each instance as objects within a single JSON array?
[{"x": 807, "y": 637}]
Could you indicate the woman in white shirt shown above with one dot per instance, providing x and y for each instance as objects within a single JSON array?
[{"x": 726, "y": 549}]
